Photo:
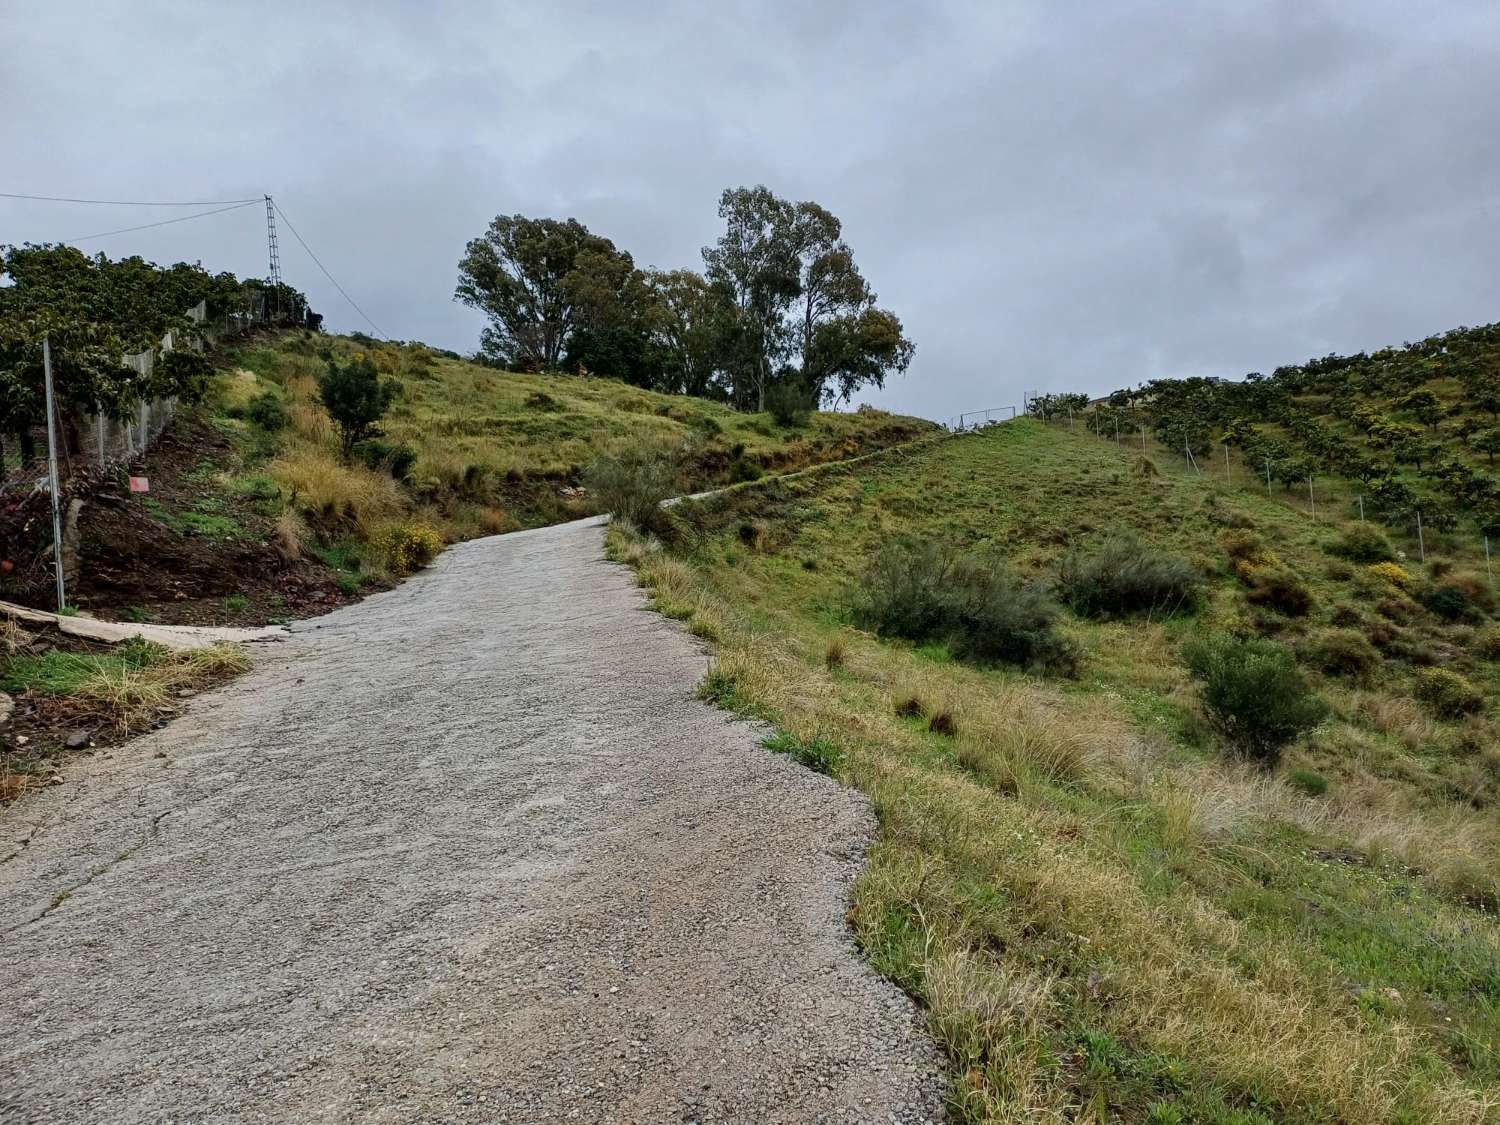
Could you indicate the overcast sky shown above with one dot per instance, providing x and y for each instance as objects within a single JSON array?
[{"x": 1051, "y": 196}]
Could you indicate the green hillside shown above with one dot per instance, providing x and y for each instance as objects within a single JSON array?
[
  {"x": 1117, "y": 904},
  {"x": 1411, "y": 429},
  {"x": 496, "y": 450}
]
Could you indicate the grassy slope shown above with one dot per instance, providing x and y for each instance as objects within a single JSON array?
[
  {"x": 1106, "y": 916},
  {"x": 497, "y": 451}
]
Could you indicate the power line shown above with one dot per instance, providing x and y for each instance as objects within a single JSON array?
[
  {"x": 326, "y": 274},
  {"x": 162, "y": 223},
  {"x": 123, "y": 202}
]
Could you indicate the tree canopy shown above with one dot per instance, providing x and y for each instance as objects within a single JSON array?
[
  {"x": 96, "y": 310},
  {"x": 780, "y": 301}
]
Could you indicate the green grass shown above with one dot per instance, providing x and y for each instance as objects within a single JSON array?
[
  {"x": 1101, "y": 907},
  {"x": 494, "y": 449},
  {"x": 65, "y": 673}
]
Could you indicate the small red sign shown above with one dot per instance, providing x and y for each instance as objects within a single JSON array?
[{"x": 140, "y": 484}]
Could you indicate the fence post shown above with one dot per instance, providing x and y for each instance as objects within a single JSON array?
[
  {"x": 1421, "y": 542},
  {"x": 1361, "y": 508},
  {"x": 1312, "y": 502},
  {"x": 1268, "y": 478},
  {"x": 1228, "y": 473},
  {"x": 1488, "y": 573},
  {"x": 53, "y": 485},
  {"x": 99, "y": 430}
]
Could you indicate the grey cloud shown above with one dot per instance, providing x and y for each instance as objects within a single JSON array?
[{"x": 1051, "y": 196}]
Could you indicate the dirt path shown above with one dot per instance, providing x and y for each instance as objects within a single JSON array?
[{"x": 466, "y": 851}]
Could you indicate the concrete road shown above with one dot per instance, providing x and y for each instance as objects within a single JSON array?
[{"x": 467, "y": 851}]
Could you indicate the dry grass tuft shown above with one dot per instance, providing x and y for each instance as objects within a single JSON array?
[
  {"x": 943, "y": 723},
  {"x": 130, "y": 696}
]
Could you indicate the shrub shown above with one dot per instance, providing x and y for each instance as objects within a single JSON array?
[
  {"x": 743, "y": 469},
  {"x": 1124, "y": 576},
  {"x": 1487, "y": 643},
  {"x": 836, "y": 655},
  {"x": 1447, "y": 694},
  {"x": 1308, "y": 781},
  {"x": 267, "y": 411},
  {"x": 407, "y": 546},
  {"x": 1243, "y": 546},
  {"x": 541, "y": 400},
  {"x": 1341, "y": 652},
  {"x": 1278, "y": 588},
  {"x": 1450, "y": 602},
  {"x": 1254, "y": 694},
  {"x": 1391, "y": 573},
  {"x": 928, "y": 592},
  {"x": 395, "y": 459},
  {"x": 632, "y": 487},
  {"x": 1362, "y": 543},
  {"x": 911, "y": 707},
  {"x": 943, "y": 723},
  {"x": 789, "y": 402},
  {"x": 356, "y": 399}
]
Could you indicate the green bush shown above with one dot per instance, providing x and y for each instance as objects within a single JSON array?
[
  {"x": 1450, "y": 602},
  {"x": 1254, "y": 694},
  {"x": 743, "y": 469},
  {"x": 1310, "y": 782},
  {"x": 632, "y": 487},
  {"x": 387, "y": 457},
  {"x": 924, "y": 591},
  {"x": 1124, "y": 576},
  {"x": 1277, "y": 588},
  {"x": 1341, "y": 652},
  {"x": 1487, "y": 643},
  {"x": 1362, "y": 543},
  {"x": 789, "y": 402},
  {"x": 1448, "y": 694},
  {"x": 267, "y": 412}
]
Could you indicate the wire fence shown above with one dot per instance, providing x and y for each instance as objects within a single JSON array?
[{"x": 88, "y": 442}]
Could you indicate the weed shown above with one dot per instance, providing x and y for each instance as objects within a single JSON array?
[
  {"x": 817, "y": 753},
  {"x": 835, "y": 655},
  {"x": 236, "y": 603},
  {"x": 1308, "y": 781}
]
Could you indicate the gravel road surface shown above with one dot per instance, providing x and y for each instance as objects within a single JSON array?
[{"x": 467, "y": 851}]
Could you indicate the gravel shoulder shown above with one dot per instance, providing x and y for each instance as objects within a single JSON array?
[{"x": 466, "y": 851}]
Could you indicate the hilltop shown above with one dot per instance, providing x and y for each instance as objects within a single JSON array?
[{"x": 1115, "y": 883}]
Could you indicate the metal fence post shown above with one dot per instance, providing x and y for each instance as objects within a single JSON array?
[{"x": 53, "y": 486}]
